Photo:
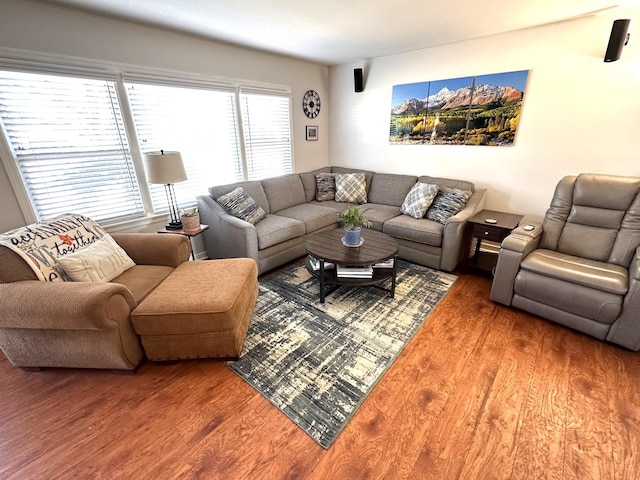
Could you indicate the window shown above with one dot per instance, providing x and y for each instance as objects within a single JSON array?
[
  {"x": 267, "y": 134},
  {"x": 78, "y": 142},
  {"x": 69, "y": 142},
  {"x": 200, "y": 124}
]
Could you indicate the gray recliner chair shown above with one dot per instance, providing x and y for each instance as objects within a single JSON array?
[{"x": 581, "y": 267}]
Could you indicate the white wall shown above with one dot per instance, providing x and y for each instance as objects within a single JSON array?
[
  {"x": 46, "y": 29},
  {"x": 579, "y": 113}
]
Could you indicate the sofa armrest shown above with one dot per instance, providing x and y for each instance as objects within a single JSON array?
[
  {"x": 228, "y": 236},
  {"x": 165, "y": 249},
  {"x": 513, "y": 250},
  {"x": 65, "y": 305},
  {"x": 625, "y": 331},
  {"x": 456, "y": 234}
]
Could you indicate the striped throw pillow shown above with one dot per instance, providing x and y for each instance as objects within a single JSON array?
[{"x": 240, "y": 204}]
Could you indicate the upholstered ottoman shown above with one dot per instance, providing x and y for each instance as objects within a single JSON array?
[{"x": 202, "y": 309}]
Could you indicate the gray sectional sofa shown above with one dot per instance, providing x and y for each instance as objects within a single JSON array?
[{"x": 294, "y": 214}]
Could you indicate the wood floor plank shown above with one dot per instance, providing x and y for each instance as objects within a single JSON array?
[
  {"x": 541, "y": 437},
  {"x": 492, "y": 452},
  {"x": 459, "y": 419},
  {"x": 624, "y": 403},
  {"x": 589, "y": 444}
]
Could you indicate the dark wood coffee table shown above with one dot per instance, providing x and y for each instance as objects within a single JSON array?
[{"x": 377, "y": 247}]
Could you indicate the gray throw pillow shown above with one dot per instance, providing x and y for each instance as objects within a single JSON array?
[
  {"x": 351, "y": 187},
  {"x": 419, "y": 199},
  {"x": 240, "y": 204},
  {"x": 447, "y": 203},
  {"x": 325, "y": 186}
]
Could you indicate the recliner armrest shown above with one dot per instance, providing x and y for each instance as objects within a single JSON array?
[
  {"x": 513, "y": 250},
  {"x": 634, "y": 269}
]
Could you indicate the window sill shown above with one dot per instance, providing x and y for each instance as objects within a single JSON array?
[{"x": 151, "y": 223}]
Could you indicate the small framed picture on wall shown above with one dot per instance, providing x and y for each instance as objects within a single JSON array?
[{"x": 312, "y": 133}]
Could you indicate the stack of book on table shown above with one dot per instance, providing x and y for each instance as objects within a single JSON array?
[
  {"x": 385, "y": 264},
  {"x": 354, "y": 272},
  {"x": 315, "y": 263}
]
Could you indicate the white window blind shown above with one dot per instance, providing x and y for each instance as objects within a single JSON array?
[
  {"x": 69, "y": 142},
  {"x": 266, "y": 127},
  {"x": 199, "y": 123}
]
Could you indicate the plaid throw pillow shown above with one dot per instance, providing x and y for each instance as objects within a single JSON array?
[
  {"x": 418, "y": 199},
  {"x": 325, "y": 186},
  {"x": 447, "y": 203},
  {"x": 240, "y": 204},
  {"x": 351, "y": 187}
]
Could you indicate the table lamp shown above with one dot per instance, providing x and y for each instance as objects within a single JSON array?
[{"x": 166, "y": 168}]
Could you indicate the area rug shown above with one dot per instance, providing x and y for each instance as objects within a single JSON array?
[{"x": 317, "y": 362}]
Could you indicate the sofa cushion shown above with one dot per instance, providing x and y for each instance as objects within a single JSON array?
[
  {"x": 240, "y": 204},
  {"x": 368, "y": 174},
  {"x": 390, "y": 189},
  {"x": 253, "y": 188},
  {"x": 335, "y": 206},
  {"x": 142, "y": 279},
  {"x": 275, "y": 229},
  {"x": 447, "y": 203},
  {"x": 351, "y": 187},
  {"x": 102, "y": 261},
  {"x": 418, "y": 230},
  {"x": 308, "y": 180},
  {"x": 325, "y": 186},
  {"x": 378, "y": 214},
  {"x": 419, "y": 199},
  {"x": 314, "y": 215},
  {"x": 283, "y": 192}
]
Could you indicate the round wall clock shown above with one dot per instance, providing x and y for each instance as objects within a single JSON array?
[{"x": 311, "y": 103}]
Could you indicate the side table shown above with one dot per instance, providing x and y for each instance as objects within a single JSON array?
[
  {"x": 492, "y": 226},
  {"x": 189, "y": 233}
]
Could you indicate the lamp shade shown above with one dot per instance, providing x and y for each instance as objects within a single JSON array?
[{"x": 164, "y": 167}]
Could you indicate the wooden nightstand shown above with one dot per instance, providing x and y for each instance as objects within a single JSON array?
[
  {"x": 190, "y": 234},
  {"x": 492, "y": 232}
]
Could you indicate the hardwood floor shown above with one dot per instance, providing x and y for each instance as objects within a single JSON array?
[{"x": 481, "y": 392}]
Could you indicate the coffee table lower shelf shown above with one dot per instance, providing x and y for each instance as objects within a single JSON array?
[{"x": 329, "y": 276}]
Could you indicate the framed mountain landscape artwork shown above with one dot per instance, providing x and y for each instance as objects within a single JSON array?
[{"x": 479, "y": 110}]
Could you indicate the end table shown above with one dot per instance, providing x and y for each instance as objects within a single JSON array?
[
  {"x": 189, "y": 233},
  {"x": 492, "y": 226}
]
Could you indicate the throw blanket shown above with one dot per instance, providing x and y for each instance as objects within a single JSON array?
[{"x": 41, "y": 244}]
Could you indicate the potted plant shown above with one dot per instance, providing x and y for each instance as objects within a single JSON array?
[
  {"x": 351, "y": 220},
  {"x": 190, "y": 218}
]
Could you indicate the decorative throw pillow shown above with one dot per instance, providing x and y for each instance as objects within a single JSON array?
[
  {"x": 325, "y": 186},
  {"x": 419, "y": 199},
  {"x": 102, "y": 261},
  {"x": 240, "y": 204},
  {"x": 447, "y": 203},
  {"x": 351, "y": 187}
]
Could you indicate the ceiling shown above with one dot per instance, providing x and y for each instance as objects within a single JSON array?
[{"x": 337, "y": 31}]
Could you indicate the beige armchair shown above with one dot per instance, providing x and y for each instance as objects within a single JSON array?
[
  {"x": 581, "y": 267},
  {"x": 82, "y": 324}
]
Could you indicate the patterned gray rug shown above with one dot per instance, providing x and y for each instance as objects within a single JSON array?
[{"x": 317, "y": 363}]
